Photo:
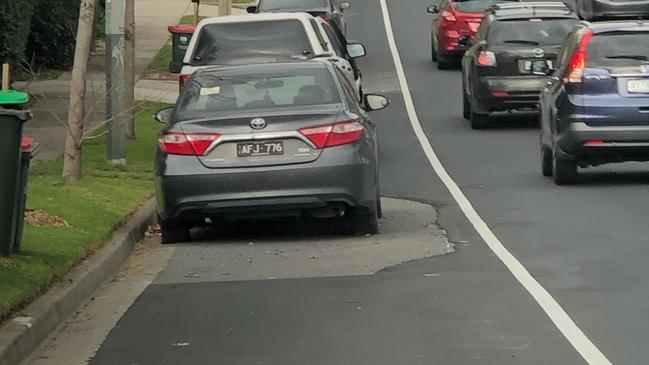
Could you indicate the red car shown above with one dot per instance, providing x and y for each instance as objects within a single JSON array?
[{"x": 455, "y": 24}]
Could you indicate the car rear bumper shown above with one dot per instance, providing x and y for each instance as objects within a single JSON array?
[
  {"x": 602, "y": 144},
  {"x": 495, "y": 94},
  {"x": 196, "y": 192}
]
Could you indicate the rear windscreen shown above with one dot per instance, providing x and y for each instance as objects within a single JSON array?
[
  {"x": 619, "y": 49},
  {"x": 474, "y": 6},
  {"x": 293, "y": 4},
  {"x": 211, "y": 92},
  {"x": 532, "y": 32},
  {"x": 264, "y": 41}
]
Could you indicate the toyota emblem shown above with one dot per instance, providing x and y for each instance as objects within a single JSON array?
[
  {"x": 258, "y": 123},
  {"x": 538, "y": 52}
]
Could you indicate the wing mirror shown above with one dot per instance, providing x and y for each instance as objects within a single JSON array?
[
  {"x": 251, "y": 9},
  {"x": 164, "y": 115},
  {"x": 376, "y": 102},
  {"x": 432, "y": 9},
  {"x": 344, "y": 5},
  {"x": 355, "y": 50}
]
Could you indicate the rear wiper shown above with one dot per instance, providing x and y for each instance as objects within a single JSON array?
[
  {"x": 522, "y": 41},
  {"x": 629, "y": 57}
]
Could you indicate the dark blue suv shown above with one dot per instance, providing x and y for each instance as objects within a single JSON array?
[{"x": 595, "y": 108}]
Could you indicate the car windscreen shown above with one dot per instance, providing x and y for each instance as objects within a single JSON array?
[
  {"x": 531, "y": 32},
  {"x": 474, "y": 6},
  {"x": 209, "y": 93},
  {"x": 267, "y": 5},
  {"x": 257, "y": 42},
  {"x": 618, "y": 49}
]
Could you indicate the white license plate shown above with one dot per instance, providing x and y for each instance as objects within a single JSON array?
[{"x": 638, "y": 86}]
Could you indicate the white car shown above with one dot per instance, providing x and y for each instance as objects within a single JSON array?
[{"x": 269, "y": 37}]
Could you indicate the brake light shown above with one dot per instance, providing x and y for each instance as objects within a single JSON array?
[
  {"x": 594, "y": 143},
  {"x": 334, "y": 135},
  {"x": 487, "y": 59},
  {"x": 186, "y": 144},
  {"x": 448, "y": 16},
  {"x": 182, "y": 79},
  {"x": 577, "y": 65}
]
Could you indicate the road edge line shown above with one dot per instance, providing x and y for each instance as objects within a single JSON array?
[
  {"x": 564, "y": 323},
  {"x": 19, "y": 341}
]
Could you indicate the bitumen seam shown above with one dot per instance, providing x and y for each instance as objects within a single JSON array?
[{"x": 21, "y": 335}]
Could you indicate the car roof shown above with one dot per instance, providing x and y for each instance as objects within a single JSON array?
[
  {"x": 257, "y": 17},
  {"x": 614, "y": 25},
  {"x": 264, "y": 67},
  {"x": 526, "y": 10}
]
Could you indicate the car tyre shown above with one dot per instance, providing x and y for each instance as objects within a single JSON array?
[
  {"x": 466, "y": 105},
  {"x": 546, "y": 161},
  {"x": 479, "y": 120},
  {"x": 174, "y": 232},
  {"x": 442, "y": 64},
  {"x": 433, "y": 52},
  {"x": 564, "y": 170}
]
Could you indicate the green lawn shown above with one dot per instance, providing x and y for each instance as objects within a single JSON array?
[{"x": 93, "y": 207}]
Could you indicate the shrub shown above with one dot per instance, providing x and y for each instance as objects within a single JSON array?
[{"x": 15, "y": 23}]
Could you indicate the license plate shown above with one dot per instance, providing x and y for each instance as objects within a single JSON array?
[
  {"x": 638, "y": 86},
  {"x": 527, "y": 65},
  {"x": 254, "y": 149}
]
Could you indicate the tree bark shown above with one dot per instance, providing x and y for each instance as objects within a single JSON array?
[
  {"x": 76, "y": 117},
  {"x": 129, "y": 66}
]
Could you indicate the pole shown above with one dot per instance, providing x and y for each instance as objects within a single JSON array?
[
  {"x": 129, "y": 63},
  {"x": 225, "y": 7},
  {"x": 197, "y": 5},
  {"x": 115, "y": 77},
  {"x": 5, "y": 76}
]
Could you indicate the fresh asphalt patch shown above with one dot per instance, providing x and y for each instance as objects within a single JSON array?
[{"x": 296, "y": 249}]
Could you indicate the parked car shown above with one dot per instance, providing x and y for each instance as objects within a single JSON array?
[
  {"x": 453, "y": 27},
  {"x": 608, "y": 9},
  {"x": 266, "y": 141},
  {"x": 595, "y": 110},
  {"x": 330, "y": 10},
  {"x": 505, "y": 70},
  {"x": 272, "y": 37}
]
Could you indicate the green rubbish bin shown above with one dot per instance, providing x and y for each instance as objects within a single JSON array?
[
  {"x": 12, "y": 117},
  {"x": 180, "y": 37},
  {"x": 29, "y": 149}
]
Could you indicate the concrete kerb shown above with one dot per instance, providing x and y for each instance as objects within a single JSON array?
[{"x": 21, "y": 335}]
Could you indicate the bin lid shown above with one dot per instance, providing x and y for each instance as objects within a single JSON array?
[
  {"x": 181, "y": 28},
  {"x": 13, "y": 97}
]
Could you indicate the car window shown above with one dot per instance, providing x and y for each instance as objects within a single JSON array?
[
  {"x": 335, "y": 42},
  {"x": 530, "y": 32},
  {"x": 566, "y": 51},
  {"x": 293, "y": 4},
  {"x": 474, "y": 6},
  {"x": 618, "y": 49},
  {"x": 230, "y": 43},
  {"x": 212, "y": 92},
  {"x": 348, "y": 88}
]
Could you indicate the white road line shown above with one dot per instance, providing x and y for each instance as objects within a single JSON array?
[{"x": 550, "y": 306}]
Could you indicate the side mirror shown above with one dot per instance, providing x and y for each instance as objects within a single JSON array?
[
  {"x": 251, "y": 9},
  {"x": 355, "y": 50},
  {"x": 344, "y": 5},
  {"x": 432, "y": 9},
  {"x": 376, "y": 102},
  {"x": 164, "y": 115}
]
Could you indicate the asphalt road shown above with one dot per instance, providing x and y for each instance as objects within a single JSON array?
[{"x": 586, "y": 244}]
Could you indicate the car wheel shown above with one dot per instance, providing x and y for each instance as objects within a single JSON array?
[
  {"x": 546, "y": 161},
  {"x": 443, "y": 64},
  {"x": 479, "y": 121},
  {"x": 564, "y": 170},
  {"x": 174, "y": 232},
  {"x": 466, "y": 104},
  {"x": 433, "y": 52}
]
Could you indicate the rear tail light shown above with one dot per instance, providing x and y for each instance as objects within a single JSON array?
[
  {"x": 499, "y": 94},
  {"x": 487, "y": 59},
  {"x": 334, "y": 135},
  {"x": 593, "y": 143},
  {"x": 448, "y": 16},
  {"x": 186, "y": 144},
  {"x": 182, "y": 79},
  {"x": 575, "y": 71}
]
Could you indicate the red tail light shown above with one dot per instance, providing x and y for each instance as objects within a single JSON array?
[
  {"x": 182, "y": 79},
  {"x": 594, "y": 143},
  {"x": 334, "y": 135},
  {"x": 487, "y": 59},
  {"x": 575, "y": 71},
  {"x": 448, "y": 16},
  {"x": 187, "y": 144}
]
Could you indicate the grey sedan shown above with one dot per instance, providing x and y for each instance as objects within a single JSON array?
[{"x": 268, "y": 141}]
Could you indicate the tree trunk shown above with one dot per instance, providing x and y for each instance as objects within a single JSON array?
[
  {"x": 129, "y": 66},
  {"x": 76, "y": 117}
]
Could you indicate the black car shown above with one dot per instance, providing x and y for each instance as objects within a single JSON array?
[
  {"x": 505, "y": 70},
  {"x": 595, "y": 109},
  {"x": 268, "y": 141},
  {"x": 608, "y": 9},
  {"x": 330, "y": 10}
]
